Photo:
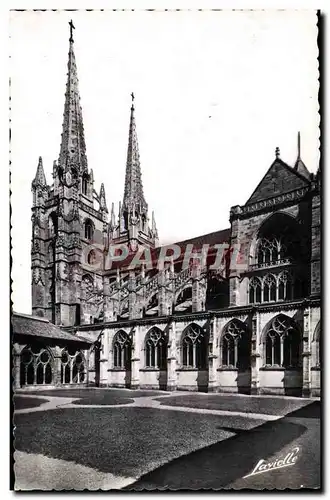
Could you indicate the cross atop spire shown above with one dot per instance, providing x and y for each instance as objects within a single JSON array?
[
  {"x": 71, "y": 32},
  {"x": 133, "y": 193},
  {"x": 73, "y": 147}
]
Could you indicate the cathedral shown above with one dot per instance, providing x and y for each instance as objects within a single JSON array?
[{"x": 237, "y": 310}]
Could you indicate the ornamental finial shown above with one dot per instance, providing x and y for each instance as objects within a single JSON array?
[{"x": 277, "y": 152}]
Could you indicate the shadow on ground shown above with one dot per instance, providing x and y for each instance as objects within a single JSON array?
[{"x": 219, "y": 465}]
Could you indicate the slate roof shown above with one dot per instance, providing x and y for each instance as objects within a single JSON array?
[
  {"x": 25, "y": 324},
  {"x": 214, "y": 238}
]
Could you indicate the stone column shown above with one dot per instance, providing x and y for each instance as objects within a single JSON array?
[
  {"x": 135, "y": 360},
  {"x": 162, "y": 305},
  {"x": 255, "y": 353},
  {"x": 132, "y": 295},
  {"x": 57, "y": 354},
  {"x": 212, "y": 357},
  {"x": 171, "y": 359},
  {"x": 17, "y": 370},
  {"x": 306, "y": 355},
  {"x": 104, "y": 358}
]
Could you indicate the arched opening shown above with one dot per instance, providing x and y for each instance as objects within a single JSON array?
[
  {"x": 84, "y": 184},
  {"x": 36, "y": 366},
  {"x": 183, "y": 301},
  {"x": 236, "y": 345},
  {"x": 285, "y": 286},
  {"x": 282, "y": 343},
  {"x": 151, "y": 307},
  {"x": 52, "y": 224},
  {"x": 269, "y": 288},
  {"x": 73, "y": 367},
  {"x": 279, "y": 240},
  {"x": 255, "y": 288},
  {"x": 122, "y": 351},
  {"x": 316, "y": 360},
  {"x": 194, "y": 348},
  {"x": 156, "y": 349},
  {"x": 89, "y": 229}
]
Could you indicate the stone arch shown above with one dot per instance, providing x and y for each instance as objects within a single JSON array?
[
  {"x": 122, "y": 350},
  {"x": 279, "y": 217},
  {"x": 316, "y": 344},
  {"x": 155, "y": 348},
  {"x": 89, "y": 228},
  {"x": 182, "y": 296},
  {"x": 52, "y": 224},
  {"x": 235, "y": 345},
  {"x": 282, "y": 342},
  {"x": 73, "y": 366},
  {"x": 36, "y": 365},
  {"x": 194, "y": 347}
]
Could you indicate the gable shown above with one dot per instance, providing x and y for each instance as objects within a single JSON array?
[{"x": 280, "y": 178}]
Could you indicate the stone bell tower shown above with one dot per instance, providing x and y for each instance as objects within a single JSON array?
[{"x": 65, "y": 221}]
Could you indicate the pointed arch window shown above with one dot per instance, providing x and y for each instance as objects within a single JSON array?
[
  {"x": 52, "y": 224},
  {"x": 255, "y": 291},
  {"x": 194, "y": 350},
  {"x": 122, "y": 350},
  {"x": 285, "y": 285},
  {"x": 89, "y": 229},
  {"x": 155, "y": 349},
  {"x": 84, "y": 184},
  {"x": 283, "y": 343},
  {"x": 269, "y": 288},
  {"x": 235, "y": 345}
]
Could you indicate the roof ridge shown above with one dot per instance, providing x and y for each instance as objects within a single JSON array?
[{"x": 30, "y": 316}]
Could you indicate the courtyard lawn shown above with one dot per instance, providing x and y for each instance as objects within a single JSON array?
[
  {"x": 265, "y": 405},
  {"x": 124, "y": 441},
  {"x": 21, "y": 402},
  {"x": 95, "y": 396}
]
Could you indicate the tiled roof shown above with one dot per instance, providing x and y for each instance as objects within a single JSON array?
[{"x": 25, "y": 324}]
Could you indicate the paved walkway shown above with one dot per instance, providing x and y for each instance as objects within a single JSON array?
[
  {"x": 37, "y": 472},
  {"x": 56, "y": 402}
]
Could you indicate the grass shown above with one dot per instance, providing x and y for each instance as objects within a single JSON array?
[
  {"x": 21, "y": 403},
  {"x": 247, "y": 404},
  {"x": 126, "y": 441}
]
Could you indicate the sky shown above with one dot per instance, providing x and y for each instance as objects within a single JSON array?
[{"x": 215, "y": 94}]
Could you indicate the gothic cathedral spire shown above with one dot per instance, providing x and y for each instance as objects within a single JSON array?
[
  {"x": 73, "y": 147},
  {"x": 133, "y": 193},
  {"x": 133, "y": 222}
]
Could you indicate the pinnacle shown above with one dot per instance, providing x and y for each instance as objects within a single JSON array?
[{"x": 40, "y": 178}]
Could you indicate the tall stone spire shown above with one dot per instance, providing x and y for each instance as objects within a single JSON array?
[
  {"x": 73, "y": 147},
  {"x": 133, "y": 194},
  {"x": 40, "y": 178}
]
